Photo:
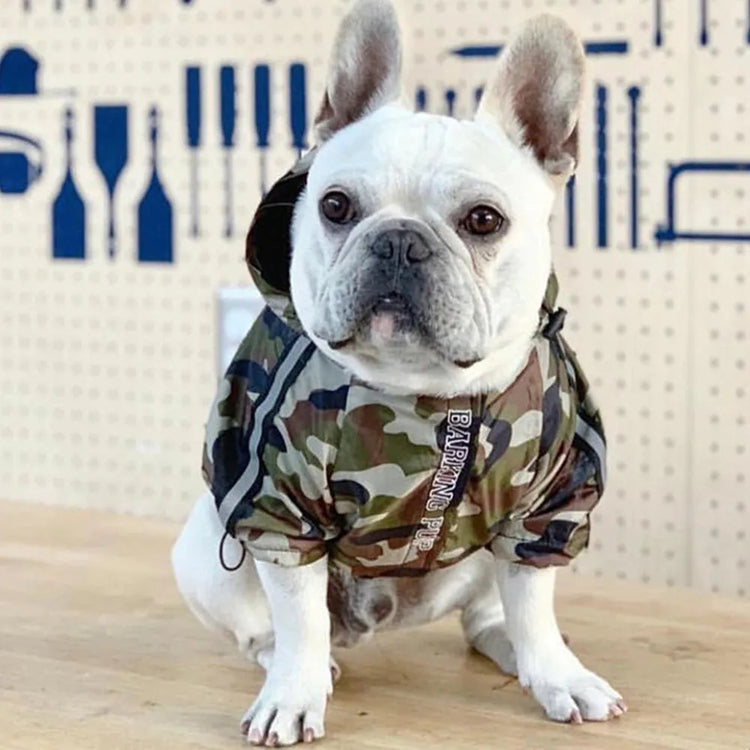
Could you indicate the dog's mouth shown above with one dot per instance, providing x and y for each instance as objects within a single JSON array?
[
  {"x": 390, "y": 316},
  {"x": 391, "y": 320},
  {"x": 387, "y": 319}
]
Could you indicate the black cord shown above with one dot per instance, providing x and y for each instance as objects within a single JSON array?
[{"x": 221, "y": 554}]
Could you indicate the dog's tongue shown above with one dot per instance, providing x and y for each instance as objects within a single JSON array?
[{"x": 382, "y": 325}]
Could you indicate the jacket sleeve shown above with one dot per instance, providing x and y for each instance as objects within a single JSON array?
[
  {"x": 556, "y": 528},
  {"x": 270, "y": 448}
]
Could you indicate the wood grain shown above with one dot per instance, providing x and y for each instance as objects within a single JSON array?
[{"x": 98, "y": 651}]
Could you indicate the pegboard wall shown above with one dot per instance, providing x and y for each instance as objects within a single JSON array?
[{"x": 136, "y": 137}]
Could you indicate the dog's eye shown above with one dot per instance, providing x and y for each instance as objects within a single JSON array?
[
  {"x": 483, "y": 220},
  {"x": 337, "y": 207}
]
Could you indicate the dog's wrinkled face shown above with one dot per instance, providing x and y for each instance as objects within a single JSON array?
[{"x": 421, "y": 247}]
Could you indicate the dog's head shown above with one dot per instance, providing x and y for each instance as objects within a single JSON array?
[{"x": 421, "y": 247}]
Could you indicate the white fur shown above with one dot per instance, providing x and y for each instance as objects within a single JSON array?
[
  {"x": 233, "y": 605},
  {"x": 291, "y": 705},
  {"x": 424, "y": 169},
  {"x": 565, "y": 688}
]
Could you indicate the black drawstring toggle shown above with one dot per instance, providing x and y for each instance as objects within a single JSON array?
[
  {"x": 555, "y": 323},
  {"x": 221, "y": 554}
]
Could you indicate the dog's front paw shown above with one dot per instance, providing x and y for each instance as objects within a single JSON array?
[
  {"x": 566, "y": 689},
  {"x": 264, "y": 658},
  {"x": 290, "y": 707}
]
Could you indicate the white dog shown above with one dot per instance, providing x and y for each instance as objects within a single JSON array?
[{"x": 404, "y": 432}]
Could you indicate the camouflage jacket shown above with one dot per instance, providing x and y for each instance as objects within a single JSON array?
[{"x": 305, "y": 459}]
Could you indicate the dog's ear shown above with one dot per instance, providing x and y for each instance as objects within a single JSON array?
[
  {"x": 365, "y": 67},
  {"x": 535, "y": 93}
]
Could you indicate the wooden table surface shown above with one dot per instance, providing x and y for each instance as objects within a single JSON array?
[{"x": 98, "y": 651}]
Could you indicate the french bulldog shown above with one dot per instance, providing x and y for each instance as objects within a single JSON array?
[{"x": 409, "y": 350}]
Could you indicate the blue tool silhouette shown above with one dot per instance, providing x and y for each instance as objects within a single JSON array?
[
  {"x": 703, "y": 38},
  {"x": 611, "y": 47},
  {"x": 450, "y": 102},
  {"x": 478, "y": 94},
  {"x": 601, "y": 164},
  {"x": 634, "y": 94},
  {"x": 570, "y": 205},
  {"x": 18, "y": 73},
  {"x": 111, "y": 156},
  {"x": 68, "y": 210},
  {"x": 21, "y": 162},
  {"x": 262, "y": 81},
  {"x": 228, "y": 116},
  {"x": 193, "y": 122},
  {"x": 420, "y": 99},
  {"x": 90, "y": 4},
  {"x": 669, "y": 232},
  {"x": 155, "y": 223},
  {"x": 298, "y": 106},
  {"x": 658, "y": 23}
]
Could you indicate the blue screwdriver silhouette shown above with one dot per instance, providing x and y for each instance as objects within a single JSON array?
[
  {"x": 262, "y": 81},
  {"x": 450, "y": 101},
  {"x": 298, "y": 105},
  {"x": 228, "y": 116},
  {"x": 193, "y": 119}
]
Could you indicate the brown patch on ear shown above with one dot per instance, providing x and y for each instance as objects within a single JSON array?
[
  {"x": 325, "y": 112},
  {"x": 562, "y": 162},
  {"x": 536, "y": 93},
  {"x": 543, "y": 130},
  {"x": 355, "y": 92},
  {"x": 364, "y": 69}
]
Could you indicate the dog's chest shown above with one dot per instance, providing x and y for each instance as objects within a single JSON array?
[{"x": 422, "y": 482}]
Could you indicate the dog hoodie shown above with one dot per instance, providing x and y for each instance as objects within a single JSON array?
[{"x": 305, "y": 459}]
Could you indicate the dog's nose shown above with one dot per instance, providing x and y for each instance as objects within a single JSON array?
[{"x": 403, "y": 246}]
